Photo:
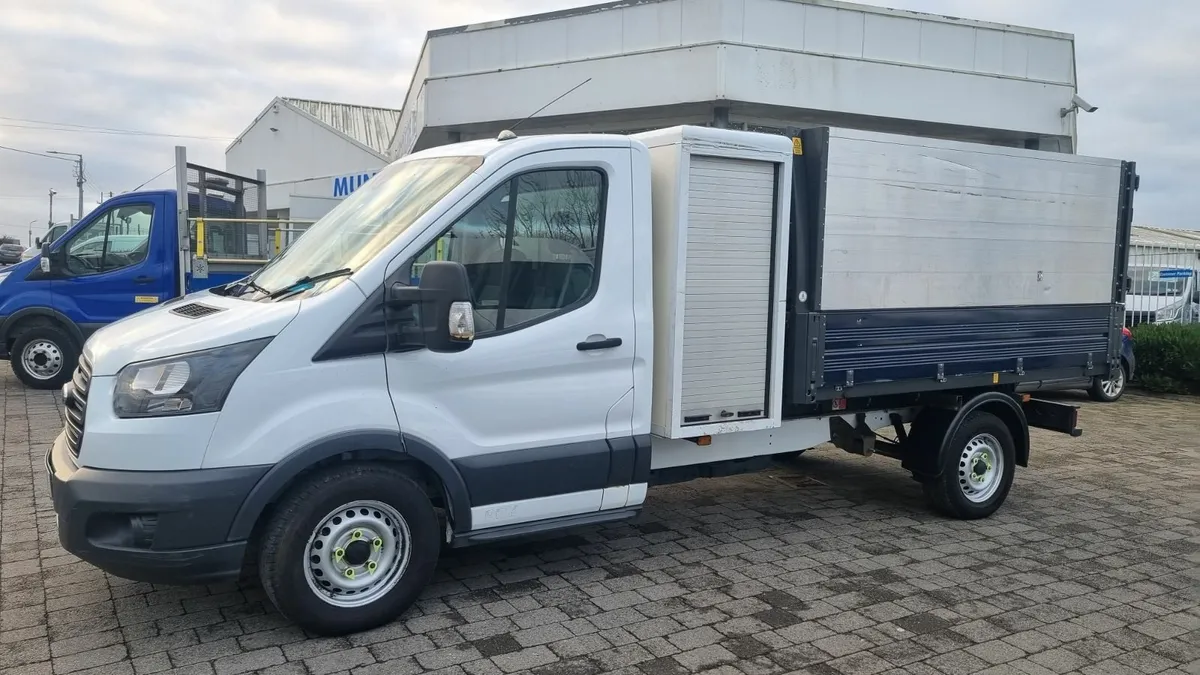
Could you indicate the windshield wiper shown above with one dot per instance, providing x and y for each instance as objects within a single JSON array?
[
  {"x": 241, "y": 286},
  {"x": 316, "y": 278}
]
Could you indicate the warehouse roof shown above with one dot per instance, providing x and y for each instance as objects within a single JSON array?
[
  {"x": 373, "y": 127},
  {"x": 1145, "y": 234},
  {"x": 368, "y": 126}
]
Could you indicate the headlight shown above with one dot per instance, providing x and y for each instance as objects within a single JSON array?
[{"x": 187, "y": 384}]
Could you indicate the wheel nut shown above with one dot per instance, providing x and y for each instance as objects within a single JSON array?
[
  {"x": 350, "y": 573},
  {"x": 339, "y": 553},
  {"x": 356, "y": 535},
  {"x": 378, "y": 543},
  {"x": 371, "y": 566}
]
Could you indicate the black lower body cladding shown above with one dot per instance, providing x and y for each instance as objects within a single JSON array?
[{"x": 152, "y": 526}]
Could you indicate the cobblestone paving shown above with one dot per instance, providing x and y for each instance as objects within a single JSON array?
[{"x": 832, "y": 565}]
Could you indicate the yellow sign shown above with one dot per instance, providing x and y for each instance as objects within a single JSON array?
[
  {"x": 146, "y": 299},
  {"x": 797, "y": 146},
  {"x": 199, "y": 241},
  {"x": 995, "y": 378}
]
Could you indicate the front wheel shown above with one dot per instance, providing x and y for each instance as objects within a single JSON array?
[
  {"x": 1108, "y": 390},
  {"x": 349, "y": 549},
  {"x": 43, "y": 356},
  {"x": 977, "y": 469}
]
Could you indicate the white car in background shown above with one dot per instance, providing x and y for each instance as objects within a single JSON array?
[{"x": 51, "y": 235}]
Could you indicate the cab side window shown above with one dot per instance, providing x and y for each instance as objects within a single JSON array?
[
  {"x": 119, "y": 237},
  {"x": 530, "y": 247}
]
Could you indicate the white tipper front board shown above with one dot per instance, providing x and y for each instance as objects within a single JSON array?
[
  {"x": 922, "y": 223},
  {"x": 720, "y": 252}
]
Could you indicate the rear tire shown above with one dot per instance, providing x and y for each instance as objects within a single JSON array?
[
  {"x": 977, "y": 469},
  {"x": 1110, "y": 390},
  {"x": 44, "y": 356},
  {"x": 349, "y": 549}
]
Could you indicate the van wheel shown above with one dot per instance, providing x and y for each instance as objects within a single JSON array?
[
  {"x": 1109, "y": 390},
  {"x": 43, "y": 356},
  {"x": 349, "y": 549},
  {"x": 977, "y": 469}
]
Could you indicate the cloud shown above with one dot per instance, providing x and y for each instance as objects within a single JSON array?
[{"x": 206, "y": 69}]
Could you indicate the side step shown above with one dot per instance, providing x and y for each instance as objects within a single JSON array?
[{"x": 492, "y": 534}]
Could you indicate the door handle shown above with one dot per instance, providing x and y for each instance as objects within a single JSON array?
[
  {"x": 144, "y": 280},
  {"x": 601, "y": 343}
]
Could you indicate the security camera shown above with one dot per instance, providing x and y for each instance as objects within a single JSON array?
[
  {"x": 1078, "y": 103},
  {"x": 1083, "y": 105}
]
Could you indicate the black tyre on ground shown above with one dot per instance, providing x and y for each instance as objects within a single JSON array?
[
  {"x": 44, "y": 356},
  {"x": 1108, "y": 390},
  {"x": 349, "y": 549},
  {"x": 976, "y": 470}
]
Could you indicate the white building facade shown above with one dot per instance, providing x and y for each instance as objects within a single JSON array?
[
  {"x": 768, "y": 65},
  {"x": 757, "y": 64},
  {"x": 314, "y": 152}
]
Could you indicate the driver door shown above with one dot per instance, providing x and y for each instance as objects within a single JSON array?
[{"x": 115, "y": 264}]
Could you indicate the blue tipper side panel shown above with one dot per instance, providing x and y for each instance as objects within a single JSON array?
[{"x": 891, "y": 345}]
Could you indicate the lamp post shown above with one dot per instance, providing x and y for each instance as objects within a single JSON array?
[
  {"x": 79, "y": 180},
  {"x": 31, "y": 230},
  {"x": 50, "y": 222}
]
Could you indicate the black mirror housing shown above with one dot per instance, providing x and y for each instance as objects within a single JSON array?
[{"x": 443, "y": 301}]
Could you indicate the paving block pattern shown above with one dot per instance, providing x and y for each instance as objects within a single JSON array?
[{"x": 829, "y": 565}]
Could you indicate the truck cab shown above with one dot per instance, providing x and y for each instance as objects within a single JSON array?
[
  {"x": 134, "y": 251},
  {"x": 114, "y": 262}
]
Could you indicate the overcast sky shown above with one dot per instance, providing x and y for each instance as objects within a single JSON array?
[{"x": 204, "y": 69}]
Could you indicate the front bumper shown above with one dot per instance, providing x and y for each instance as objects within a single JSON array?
[{"x": 156, "y": 526}]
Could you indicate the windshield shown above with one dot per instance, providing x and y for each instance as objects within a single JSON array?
[
  {"x": 1160, "y": 282},
  {"x": 367, "y": 221}
]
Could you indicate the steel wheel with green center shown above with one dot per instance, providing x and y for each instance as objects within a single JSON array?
[
  {"x": 980, "y": 468},
  {"x": 357, "y": 553}
]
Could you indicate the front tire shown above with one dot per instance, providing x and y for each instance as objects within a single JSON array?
[
  {"x": 44, "y": 356},
  {"x": 349, "y": 549},
  {"x": 1111, "y": 389},
  {"x": 977, "y": 469}
]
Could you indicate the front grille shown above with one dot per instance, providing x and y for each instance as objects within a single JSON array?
[
  {"x": 195, "y": 310},
  {"x": 75, "y": 403}
]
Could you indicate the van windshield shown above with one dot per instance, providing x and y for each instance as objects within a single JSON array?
[{"x": 364, "y": 224}]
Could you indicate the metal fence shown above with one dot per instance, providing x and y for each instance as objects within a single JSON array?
[
  {"x": 1163, "y": 284},
  {"x": 243, "y": 239}
]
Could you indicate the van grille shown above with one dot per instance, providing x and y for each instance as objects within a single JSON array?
[
  {"x": 195, "y": 310},
  {"x": 75, "y": 403}
]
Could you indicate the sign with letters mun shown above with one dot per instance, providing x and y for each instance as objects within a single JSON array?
[{"x": 343, "y": 186}]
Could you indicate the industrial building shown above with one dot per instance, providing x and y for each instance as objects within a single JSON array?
[
  {"x": 314, "y": 152},
  {"x": 629, "y": 66}
]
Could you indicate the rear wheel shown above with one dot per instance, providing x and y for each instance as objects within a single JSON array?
[
  {"x": 44, "y": 356},
  {"x": 976, "y": 470},
  {"x": 1107, "y": 390},
  {"x": 349, "y": 549}
]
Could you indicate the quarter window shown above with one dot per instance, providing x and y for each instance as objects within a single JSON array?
[{"x": 530, "y": 247}]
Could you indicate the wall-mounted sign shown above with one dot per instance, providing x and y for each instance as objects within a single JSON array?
[{"x": 344, "y": 185}]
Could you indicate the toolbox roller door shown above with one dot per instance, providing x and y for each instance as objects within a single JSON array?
[{"x": 730, "y": 210}]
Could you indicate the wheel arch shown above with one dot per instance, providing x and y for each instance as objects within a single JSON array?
[
  {"x": 945, "y": 422},
  {"x": 432, "y": 464},
  {"x": 28, "y": 314}
]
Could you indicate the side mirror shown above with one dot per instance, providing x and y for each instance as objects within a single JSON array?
[
  {"x": 45, "y": 263},
  {"x": 443, "y": 300}
]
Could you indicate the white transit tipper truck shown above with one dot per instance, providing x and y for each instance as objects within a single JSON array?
[{"x": 501, "y": 338}]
